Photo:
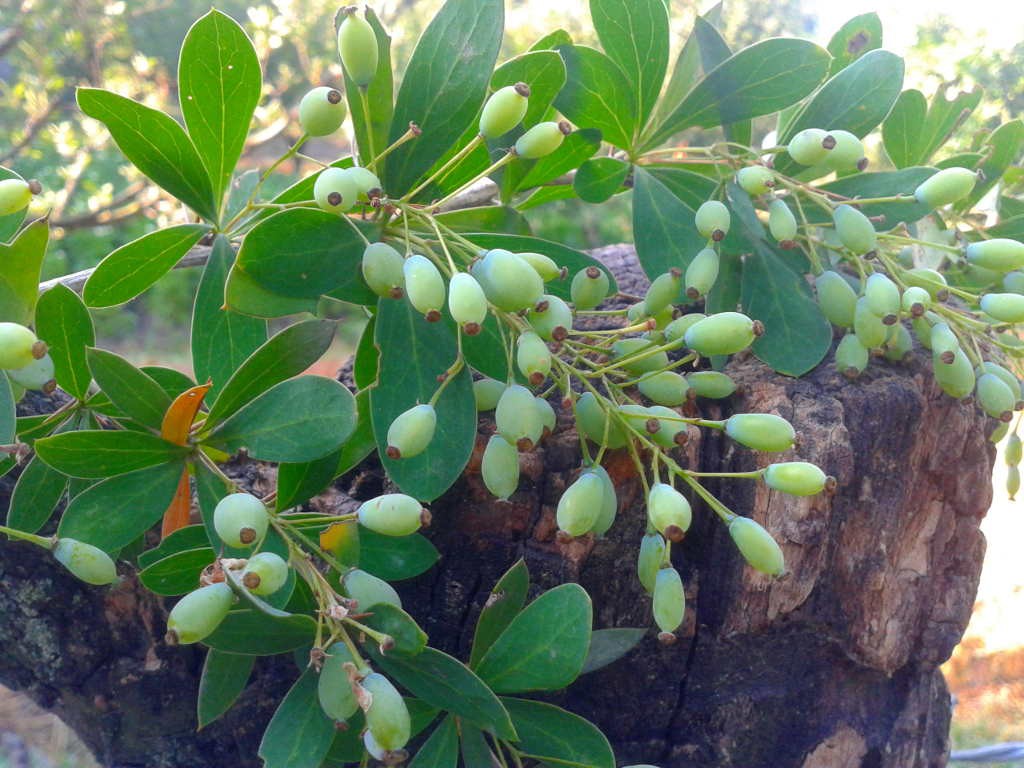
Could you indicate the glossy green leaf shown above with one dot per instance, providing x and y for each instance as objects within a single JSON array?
[
  {"x": 105, "y": 452},
  {"x": 136, "y": 266},
  {"x": 298, "y": 483},
  {"x": 1002, "y": 148},
  {"x": 610, "y": 645},
  {"x": 189, "y": 537},
  {"x": 855, "y": 38},
  {"x": 543, "y": 71},
  {"x": 485, "y": 352},
  {"x": 413, "y": 354},
  {"x": 546, "y": 196},
  {"x": 171, "y": 380},
  {"x": 224, "y": 677},
  {"x": 243, "y": 187},
  {"x": 599, "y": 178},
  {"x": 364, "y": 369},
  {"x": 178, "y": 573},
  {"x": 245, "y": 296},
  {"x": 597, "y": 95},
  {"x": 396, "y": 558},
  {"x": 713, "y": 51},
  {"x": 254, "y": 633},
  {"x": 446, "y": 683},
  {"x": 219, "y": 84},
  {"x": 8, "y": 411},
  {"x": 10, "y": 223},
  {"x": 944, "y": 116},
  {"x": 902, "y": 128},
  {"x": 156, "y": 145},
  {"x": 969, "y": 160},
  {"x": 347, "y": 748},
  {"x": 684, "y": 76},
  {"x": 21, "y": 261},
  {"x": 115, "y": 512},
  {"x": 441, "y": 750},
  {"x": 36, "y": 494},
  {"x": 299, "y": 734},
  {"x": 391, "y": 620},
  {"x": 556, "y": 737},
  {"x": 379, "y": 97},
  {"x": 505, "y": 601},
  {"x": 577, "y": 147},
  {"x": 491, "y": 218},
  {"x": 128, "y": 388},
  {"x": 475, "y": 748},
  {"x": 443, "y": 86},
  {"x": 64, "y": 322}
]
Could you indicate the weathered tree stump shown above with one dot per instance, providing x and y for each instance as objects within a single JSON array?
[{"x": 834, "y": 665}]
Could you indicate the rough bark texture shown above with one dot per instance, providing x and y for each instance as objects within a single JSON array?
[{"x": 835, "y": 665}]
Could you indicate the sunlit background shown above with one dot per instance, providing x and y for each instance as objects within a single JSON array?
[{"x": 97, "y": 202}]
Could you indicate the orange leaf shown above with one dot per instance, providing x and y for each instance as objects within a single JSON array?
[
  {"x": 179, "y": 417},
  {"x": 177, "y": 514},
  {"x": 341, "y": 539}
]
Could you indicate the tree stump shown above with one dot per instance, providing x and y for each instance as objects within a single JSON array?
[{"x": 835, "y": 665}]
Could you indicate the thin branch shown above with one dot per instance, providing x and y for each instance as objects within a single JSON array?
[{"x": 76, "y": 280}]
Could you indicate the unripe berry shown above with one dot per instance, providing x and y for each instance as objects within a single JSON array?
[
  {"x": 1014, "y": 450},
  {"x": 335, "y": 191},
  {"x": 659, "y": 423},
  {"x": 663, "y": 291},
  {"x": 643, "y": 350},
  {"x": 755, "y": 180},
  {"x": 88, "y": 563},
  {"x": 517, "y": 418},
  {"x": 943, "y": 340},
  {"x": 15, "y": 195},
  {"x": 668, "y": 511},
  {"x": 609, "y": 502},
  {"x": 18, "y": 346},
  {"x": 545, "y": 265},
  {"x": 368, "y": 186},
  {"x": 411, "y": 432},
  {"x": 322, "y": 111},
  {"x": 847, "y": 154},
  {"x": 367, "y": 590},
  {"x": 883, "y": 297},
  {"x": 424, "y": 286},
  {"x": 542, "y": 139},
  {"x": 597, "y": 423},
  {"x": 757, "y": 546},
  {"x": 1007, "y": 377},
  {"x": 509, "y": 282},
  {"x": 1000, "y": 254},
  {"x": 899, "y": 343},
  {"x": 546, "y": 414},
  {"x": 265, "y": 573},
  {"x": 240, "y": 520},
  {"x": 677, "y": 328},
  {"x": 1012, "y": 482},
  {"x": 387, "y": 717},
  {"x": 855, "y": 230},
  {"x": 868, "y": 326},
  {"x": 500, "y": 467},
  {"x": 956, "y": 378},
  {"x": 711, "y": 384},
  {"x": 383, "y": 270},
  {"x": 467, "y": 302},
  {"x": 199, "y": 613},
  {"x": 669, "y": 600},
  {"x": 533, "y": 357},
  {"x": 357, "y": 44},
  {"x": 1005, "y": 307},
  {"x": 334, "y": 687},
  {"x": 782, "y": 223},
  {"x": 551, "y": 318},
  {"x": 761, "y": 431},
  {"x": 851, "y": 356},
  {"x": 36, "y": 375},
  {"x": 810, "y": 146},
  {"x": 1014, "y": 282},
  {"x": 376, "y": 751},
  {"x": 923, "y": 277},
  {"x": 995, "y": 398},
  {"x": 713, "y": 220},
  {"x": 393, "y": 514},
  {"x": 1001, "y": 430},
  {"x": 637, "y": 313},
  {"x": 922, "y": 331},
  {"x": 504, "y": 110},
  {"x": 702, "y": 273},
  {"x": 722, "y": 334},
  {"x": 798, "y": 478},
  {"x": 589, "y": 287},
  {"x": 836, "y": 298},
  {"x": 946, "y": 186},
  {"x": 650, "y": 559},
  {"x": 664, "y": 388},
  {"x": 915, "y": 301},
  {"x": 487, "y": 393},
  {"x": 580, "y": 505}
]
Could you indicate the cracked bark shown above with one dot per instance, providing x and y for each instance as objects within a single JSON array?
[{"x": 836, "y": 665}]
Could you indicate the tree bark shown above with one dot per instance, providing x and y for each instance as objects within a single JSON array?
[{"x": 834, "y": 665}]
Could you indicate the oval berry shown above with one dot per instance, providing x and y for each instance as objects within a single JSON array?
[
  {"x": 923, "y": 277},
  {"x": 798, "y": 478},
  {"x": 597, "y": 423},
  {"x": 757, "y": 546},
  {"x": 424, "y": 286},
  {"x": 1005, "y": 307},
  {"x": 240, "y": 520},
  {"x": 517, "y": 418},
  {"x": 669, "y": 600},
  {"x": 18, "y": 346},
  {"x": 322, "y": 111},
  {"x": 836, "y": 298},
  {"x": 659, "y": 423},
  {"x": 467, "y": 303},
  {"x": 367, "y": 183},
  {"x": 199, "y": 613},
  {"x": 265, "y": 573},
  {"x": 387, "y": 716},
  {"x": 545, "y": 265},
  {"x": 915, "y": 301},
  {"x": 411, "y": 432},
  {"x": 810, "y": 146},
  {"x": 714, "y": 385},
  {"x": 1014, "y": 282},
  {"x": 702, "y": 273},
  {"x": 509, "y": 282},
  {"x": 1012, "y": 482},
  {"x": 868, "y": 326},
  {"x": 724, "y": 333},
  {"x": 761, "y": 431},
  {"x": 755, "y": 180},
  {"x": 650, "y": 559},
  {"x": 589, "y": 287},
  {"x": 487, "y": 393},
  {"x": 1008, "y": 378},
  {"x": 995, "y": 398},
  {"x": 334, "y": 687},
  {"x": 852, "y": 356},
  {"x": 367, "y": 590},
  {"x": 500, "y": 467},
  {"x": 946, "y": 186},
  {"x": 533, "y": 357},
  {"x": 335, "y": 191},
  {"x": 855, "y": 230},
  {"x": 664, "y": 388},
  {"x": 955, "y": 378},
  {"x": 713, "y": 220},
  {"x": 86, "y": 562},
  {"x": 847, "y": 153},
  {"x": 899, "y": 343},
  {"x": 504, "y": 110},
  {"x": 663, "y": 292},
  {"x": 943, "y": 339},
  {"x": 393, "y": 514},
  {"x": 542, "y": 139},
  {"x": 580, "y": 505},
  {"x": 15, "y": 195},
  {"x": 609, "y": 502},
  {"x": 551, "y": 318},
  {"x": 1000, "y": 254},
  {"x": 383, "y": 270},
  {"x": 668, "y": 511},
  {"x": 640, "y": 355},
  {"x": 546, "y": 414},
  {"x": 782, "y": 223},
  {"x": 677, "y": 328},
  {"x": 1014, "y": 450},
  {"x": 357, "y": 45},
  {"x": 36, "y": 375},
  {"x": 883, "y": 297}
]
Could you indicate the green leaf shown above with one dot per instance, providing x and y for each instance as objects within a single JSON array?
[
  {"x": 901, "y": 130},
  {"x": 225, "y": 676},
  {"x": 21, "y": 261},
  {"x": 297, "y": 420},
  {"x": 134, "y": 267},
  {"x": 597, "y": 95},
  {"x": 361, "y": 443},
  {"x": 396, "y": 558},
  {"x": 610, "y": 645},
  {"x": 299, "y": 734},
  {"x": 552, "y": 735},
  {"x": 178, "y": 573},
  {"x": 577, "y": 147},
  {"x": 544, "y": 647},
  {"x": 881, "y": 184},
  {"x": 155, "y": 144},
  {"x": 1002, "y": 148},
  {"x": 635, "y": 35},
  {"x": 64, "y": 322},
  {"x": 490, "y": 218},
  {"x": 104, "y": 452},
  {"x": 684, "y": 77},
  {"x": 36, "y": 494},
  {"x": 475, "y": 748},
  {"x": 115, "y": 512},
  {"x": 219, "y": 84},
  {"x": 10, "y": 223},
  {"x": 446, "y": 683},
  {"x": 855, "y": 38},
  {"x": 347, "y": 747},
  {"x": 391, "y": 620},
  {"x": 599, "y": 178},
  {"x": 172, "y": 381},
  {"x": 128, "y": 388},
  {"x": 413, "y": 354},
  {"x": 444, "y": 86},
  {"x": 485, "y": 352},
  {"x": 243, "y": 187},
  {"x": 304, "y": 253},
  {"x": 189, "y": 537},
  {"x": 8, "y": 411},
  {"x": 380, "y": 95},
  {"x": 245, "y": 296},
  {"x": 758, "y": 80},
  {"x": 298, "y": 483},
  {"x": 546, "y": 196},
  {"x": 506, "y": 600},
  {"x": 944, "y": 116},
  {"x": 543, "y": 71},
  {"x": 441, "y": 750},
  {"x": 254, "y": 633},
  {"x": 713, "y": 51}
]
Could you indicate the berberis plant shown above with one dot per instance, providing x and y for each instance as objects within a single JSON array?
[{"x": 768, "y": 247}]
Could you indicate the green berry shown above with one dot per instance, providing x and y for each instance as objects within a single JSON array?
[
  {"x": 467, "y": 303},
  {"x": 383, "y": 270},
  {"x": 943, "y": 340},
  {"x": 240, "y": 520},
  {"x": 1012, "y": 482},
  {"x": 1004, "y": 307},
  {"x": 424, "y": 286},
  {"x": 929, "y": 279},
  {"x": 810, "y": 146},
  {"x": 487, "y": 393},
  {"x": 1001, "y": 430},
  {"x": 375, "y": 750},
  {"x": 855, "y": 230},
  {"x": 915, "y": 301},
  {"x": 702, "y": 273},
  {"x": 946, "y": 186},
  {"x": 761, "y": 431},
  {"x": 1000, "y": 254},
  {"x": 199, "y": 613},
  {"x": 546, "y": 414},
  {"x": 36, "y": 375},
  {"x": 504, "y": 110},
  {"x": 1008, "y": 378},
  {"x": 757, "y": 546},
  {"x": 609, "y": 502},
  {"x": 669, "y": 600},
  {"x": 851, "y": 356},
  {"x": 546, "y": 267},
  {"x": 755, "y": 180},
  {"x": 18, "y": 346},
  {"x": 500, "y": 467},
  {"x": 387, "y": 717},
  {"x": 88, "y": 563},
  {"x": 846, "y": 154},
  {"x": 367, "y": 590},
  {"x": 956, "y": 378},
  {"x": 322, "y": 111},
  {"x": 798, "y": 478},
  {"x": 589, "y": 287},
  {"x": 411, "y": 432},
  {"x": 660, "y": 423},
  {"x": 335, "y": 191},
  {"x": 393, "y": 514},
  {"x": 551, "y": 318},
  {"x": 836, "y": 298},
  {"x": 713, "y": 220},
  {"x": 509, "y": 281},
  {"x": 334, "y": 687},
  {"x": 723, "y": 334},
  {"x": 711, "y": 384},
  {"x": 883, "y": 297},
  {"x": 663, "y": 292},
  {"x": 782, "y": 223},
  {"x": 366, "y": 181},
  {"x": 517, "y": 418},
  {"x": 668, "y": 511},
  {"x": 357, "y": 44},
  {"x": 995, "y": 398},
  {"x": 1014, "y": 450},
  {"x": 677, "y": 328},
  {"x": 642, "y": 355},
  {"x": 597, "y": 423},
  {"x": 664, "y": 387},
  {"x": 868, "y": 326},
  {"x": 265, "y": 573},
  {"x": 533, "y": 357},
  {"x": 1014, "y": 282},
  {"x": 899, "y": 343},
  {"x": 15, "y": 195},
  {"x": 542, "y": 139},
  {"x": 580, "y": 505},
  {"x": 650, "y": 559}
]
